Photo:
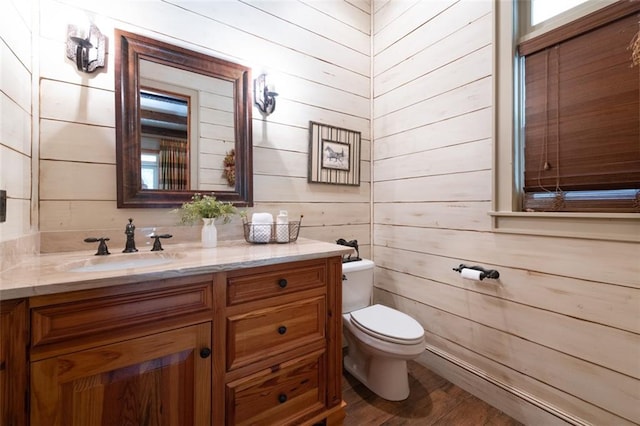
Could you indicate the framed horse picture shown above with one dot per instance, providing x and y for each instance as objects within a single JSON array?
[{"x": 334, "y": 155}]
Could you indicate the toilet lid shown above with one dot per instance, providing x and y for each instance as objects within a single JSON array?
[{"x": 388, "y": 324}]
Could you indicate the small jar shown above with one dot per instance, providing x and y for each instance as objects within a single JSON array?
[{"x": 282, "y": 227}]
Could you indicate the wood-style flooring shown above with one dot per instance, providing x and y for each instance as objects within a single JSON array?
[{"x": 432, "y": 401}]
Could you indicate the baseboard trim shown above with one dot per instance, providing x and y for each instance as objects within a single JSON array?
[{"x": 520, "y": 405}]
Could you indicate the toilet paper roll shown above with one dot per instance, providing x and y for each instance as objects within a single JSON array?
[{"x": 471, "y": 274}]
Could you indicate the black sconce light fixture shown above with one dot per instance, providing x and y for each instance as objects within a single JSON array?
[
  {"x": 86, "y": 46},
  {"x": 265, "y": 97}
]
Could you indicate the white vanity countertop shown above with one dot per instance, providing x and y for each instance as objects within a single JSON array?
[{"x": 53, "y": 273}]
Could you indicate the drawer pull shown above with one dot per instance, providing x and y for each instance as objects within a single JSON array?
[
  {"x": 282, "y": 398},
  {"x": 205, "y": 352},
  {"x": 282, "y": 283},
  {"x": 282, "y": 329}
]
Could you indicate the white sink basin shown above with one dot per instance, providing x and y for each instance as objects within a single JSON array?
[{"x": 121, "y": 262}]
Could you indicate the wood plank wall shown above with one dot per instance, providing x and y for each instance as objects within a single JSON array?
[
  {"x": 15, "y": 118},
  {"x": 317, "y": 53},
  {"x": 561, "y": 327}
]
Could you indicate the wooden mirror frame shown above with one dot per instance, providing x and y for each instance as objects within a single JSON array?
[{"x": 130, "y": 48}]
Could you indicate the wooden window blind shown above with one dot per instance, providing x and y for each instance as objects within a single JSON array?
[{"x": 582, "y": 115}]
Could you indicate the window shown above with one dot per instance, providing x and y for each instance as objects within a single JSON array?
[
  {"x": 149, "y": 172},
  {"x": 581, "y": 123},
  {"x": 514, "y": 53},
  {"x": 542, "y": 10}
]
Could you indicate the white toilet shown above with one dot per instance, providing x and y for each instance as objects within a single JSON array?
[{"x": 380, "y": 339}]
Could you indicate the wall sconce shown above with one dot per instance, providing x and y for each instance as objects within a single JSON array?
[
  {"x": 86, "y": 46},
  {"x": 265, "y": 96}
]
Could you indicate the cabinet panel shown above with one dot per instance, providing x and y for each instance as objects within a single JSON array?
[
  {"x": 118, "y": 313},
  {"x": 13, "y": 362},
  {"x": 160, "y": 379},
  {"x": 273, "y": 281},
  {"x": 295, "y": 390},
  {"x": 262, "y": 333}
]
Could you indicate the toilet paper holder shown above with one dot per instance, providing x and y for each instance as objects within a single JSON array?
[{"x": 484, "y": 273}]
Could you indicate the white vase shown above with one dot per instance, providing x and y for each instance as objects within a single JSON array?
[{"x": 209, "y": 233}]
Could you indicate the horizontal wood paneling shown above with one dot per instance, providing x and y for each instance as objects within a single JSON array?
[
  {"x": 466, "y": 157},
  {"x": 524, "y": 321},
  {"x": 14, "y": 166},
  {"x": 318, "y": 57},
  {"x": 15, "y": 30},
  {"x": 65, "y": 180},
  {"x": 386, "y": 13},
  {"x": 557, "y": 256},
  {"x": 468, "y": 127},
  {"x": 311, "y": 17},
  {"x": 18, "y": 222},
  {"x": 453, "y": 75},
  {"x": 16, "y": 78},
  {"x": 470, "y": 215},
  {"x": 73, "y": 103},
  {"x": 472, "y": 186},
  {"x": 407, "y": 22},
  {"x": 472, "y": 37},
  {"x": 470, "y": 97},
  {"x": 536, "y": 390},
  {"x": 591, "y": 301},
  {"x": 16, "y": 105},
  {"x": 354, "y": 13},
  {"x": 561, "y": 327},
  {"x": 433, "y": 22},
  {"x": 61, "y": 140},
  {"x": 284, "y": 189},
  {"x": 15, "y": 132}
]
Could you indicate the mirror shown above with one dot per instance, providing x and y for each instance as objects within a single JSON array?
[{"x": 183, "y": 125}]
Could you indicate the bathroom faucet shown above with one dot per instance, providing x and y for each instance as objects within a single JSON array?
[
  {"x": 354, "y": 245},
  {"x": 103, "y": 250},
  {"x": 130, "y": 246},
  {"x": 156, "y": 241}
]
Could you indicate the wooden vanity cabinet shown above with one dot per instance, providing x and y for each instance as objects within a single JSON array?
[
  {"x": 283, "y": 344},
  {"x": 257, "y": 345},
  {"x": 14, "y": 340},
  {"x": 136, "y": 354}
]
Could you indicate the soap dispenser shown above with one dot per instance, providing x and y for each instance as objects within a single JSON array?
[{"x": 282, "y": 227}]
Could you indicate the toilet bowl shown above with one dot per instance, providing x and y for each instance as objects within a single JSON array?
[{"x": 379, "y": 339}]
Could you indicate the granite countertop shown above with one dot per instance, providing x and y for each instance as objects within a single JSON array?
[{"x": 81, "y": 270}]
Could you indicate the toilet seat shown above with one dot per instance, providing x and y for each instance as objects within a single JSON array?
[{"x": 388, "y": 324}]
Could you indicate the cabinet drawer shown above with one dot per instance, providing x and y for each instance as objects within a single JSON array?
[
  {"x": 266, "y": 332},
  {"x": 275, "y": 280},
  {"x": 104, "y": 313},
  {"x": 282, "y": 397}
]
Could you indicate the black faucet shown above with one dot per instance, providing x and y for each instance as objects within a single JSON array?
[
  {"x": 354, "y": 245},
  {"x": 129, "y": 230},
  {"x": 103, "y": 250},
  {"x": 156, "y": 242}
]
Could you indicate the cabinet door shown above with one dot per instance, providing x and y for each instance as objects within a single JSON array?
[
  {"x": 13, "y": 362},
  {"x": 160, "y": 379}
]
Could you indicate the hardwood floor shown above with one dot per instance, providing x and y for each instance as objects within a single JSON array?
[{"x": 432, "y": 401}]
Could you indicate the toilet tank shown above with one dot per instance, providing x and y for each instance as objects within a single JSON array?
[{"x": 357, "y": 288}]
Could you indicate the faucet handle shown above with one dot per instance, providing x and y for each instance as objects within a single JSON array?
[
  {"x": 156, "y": 242},
  {"x": 102, "y": 247}
]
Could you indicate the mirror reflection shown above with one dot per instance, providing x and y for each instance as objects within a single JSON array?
[
  {"x": 183, "y": 125},
  {"x": 187, "y": 129}
]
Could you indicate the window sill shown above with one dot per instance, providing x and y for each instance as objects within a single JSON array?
[{"x": 592, "y": 226}]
